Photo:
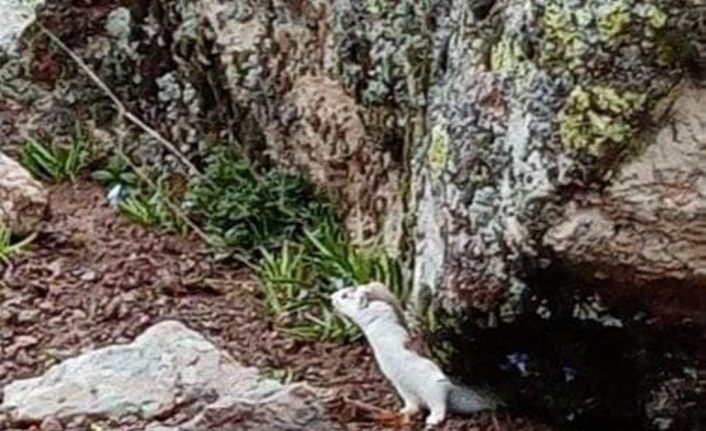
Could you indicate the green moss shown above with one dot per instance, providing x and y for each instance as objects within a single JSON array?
[
  {"x": 599, "y": 120},
  {"x": 437, "y": 154}
]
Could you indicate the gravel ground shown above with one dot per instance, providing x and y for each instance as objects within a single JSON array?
[{"x": 92, "y": 279}]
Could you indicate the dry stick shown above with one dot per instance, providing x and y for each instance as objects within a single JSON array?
[
  {"x": 122, "y": 111},
  {"x": 175, "y": 208}
]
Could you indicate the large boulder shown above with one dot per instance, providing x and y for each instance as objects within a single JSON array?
[
  {"x": 166, "y": 368},
  {"x": 23, "y": 200},
  {"x": 15, "y": 17},
  {"x": 645, "y": 234},
  {"x": 536, "y": 101},
  {"x": 465, "y": 126}
]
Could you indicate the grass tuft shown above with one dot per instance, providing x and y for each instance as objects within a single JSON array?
[
  {"x": 10, "y": 248},
  {"x": 56, "y": 163}
]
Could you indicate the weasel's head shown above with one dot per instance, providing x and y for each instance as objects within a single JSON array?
[{"x": 349, "y": 301}]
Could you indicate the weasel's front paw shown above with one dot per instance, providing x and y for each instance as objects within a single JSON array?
[
  {"x": 434, "y": 420},
  {"x": 410, "y": 411}
]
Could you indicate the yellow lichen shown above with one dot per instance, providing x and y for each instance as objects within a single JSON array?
[
  {"x": 505, "y": 55},
  {"x": 656, "y": 17},
  {"x": 376, "y": 7},
  {"x": 615, "y": 20},
  {"x": 558, "y": 23},
  {"x": 437, "y": 154},
  {"x": 562, "y": 28},
  {"x": 599, "y": 116}
]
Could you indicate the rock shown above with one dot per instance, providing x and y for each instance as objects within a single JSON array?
[
  {"x": 51, "y": 424},
  {"x": 517, "y": 127},
  {"x": 291, "y": 409},
  {"x": 27, "y": 316},
  {"x": 24, "y": 201},
  {"x": 647, "y": 231},
  {"x": 15, "y": 17},
  {"x": 166, "y": 367},
  {"x": 322, "y": 135}
]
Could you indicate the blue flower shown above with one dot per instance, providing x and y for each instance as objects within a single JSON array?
[
  {"x": 569, "y": 374},
  {"x": 116, "y": 194},
  {"x": 519, "y": 361}
]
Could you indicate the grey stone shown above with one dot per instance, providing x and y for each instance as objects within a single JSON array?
[
  {"x": 51, "y": 424},
  {"x": 648, "y": 227},
  {"x": 15, "y": 16},
  {"x": 23, "y": 200},
  {"x": 166, "y": 367}
]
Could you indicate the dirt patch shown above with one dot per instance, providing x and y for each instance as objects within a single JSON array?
[{"x": 93, "y": 278}]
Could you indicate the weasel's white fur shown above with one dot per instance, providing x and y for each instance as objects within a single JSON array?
[{"x": 419, "y": 381}]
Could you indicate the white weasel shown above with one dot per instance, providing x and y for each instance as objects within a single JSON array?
[{"x": 419, "y": 381}]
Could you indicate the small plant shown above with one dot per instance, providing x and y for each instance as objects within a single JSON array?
[
  {"x": 299, "y": 279},
  {"x": 54, "y": 163},
  {"x": 344, "y": 263},
  {"x": 115, "y": 172},
  {"x": 285, "y": 376},
  {"x": 284, "y": 279},
  {"x": 151, "y": 210},
  {"x": 295, "y": 294},
  {"x": 250, "y": 209},
  {"x": 8, "y": 248}
]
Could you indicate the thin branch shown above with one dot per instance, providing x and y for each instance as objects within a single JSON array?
[
  {"x": 175, "y": 208},
  {"x": 122, "y": 110}
]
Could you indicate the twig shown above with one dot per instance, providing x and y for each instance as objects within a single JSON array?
[
  {"x": 122, "y": 110},
  {"x": 363, "y": 406},
  {"x": 175, "y": 208}
]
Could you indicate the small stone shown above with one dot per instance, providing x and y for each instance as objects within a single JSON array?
[
  {"x": 51, "y": 424},
  {"x": 167, "y": 365},
  {"x": 27, "y": 316},
  {"x": 89, "y": 275},
  {"x": 26, "y": 341},
  {"x": 78, "y": 314},
  {"x": 24, "y": 200},
  {"x": 5, "y": 315}
]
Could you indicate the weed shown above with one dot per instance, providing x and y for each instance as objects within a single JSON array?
[
  {"x": 295, "y": 294},
  {"x": 54, "y": 163},
  {"x": 298, "y": 280},
  {"x": 284, "y": 279},
  {"x": 151, "y": 210},
  {"x": 343, "y": 263},
  {"x": 251, "y": 209},
  {"x": 115, "y": 172},
  {"x": 8, "y": 248}
]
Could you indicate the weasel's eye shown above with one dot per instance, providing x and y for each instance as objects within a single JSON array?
[{"x": 344, "y": 295}]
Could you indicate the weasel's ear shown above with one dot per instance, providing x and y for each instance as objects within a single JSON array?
[{"x": 363, "y": 299}]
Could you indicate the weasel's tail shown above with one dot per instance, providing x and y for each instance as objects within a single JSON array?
[{"x": 465, "y": 400}]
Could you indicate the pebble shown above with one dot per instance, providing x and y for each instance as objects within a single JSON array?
[
  {"x": 51, "y": 424},
  {"x": 89, "y": 275},
  {"x": 5, "y": 315},
  {"x": 26, "y": 341},
  {"x": 27, "y": 316}
]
